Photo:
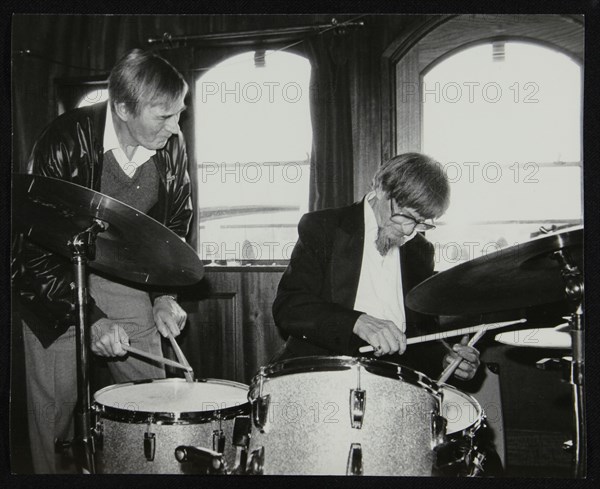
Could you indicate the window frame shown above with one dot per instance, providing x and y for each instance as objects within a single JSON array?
[
  {"x": 69, "y": 90},
  {"x": 410, "y": 55},
  {"x": 262, "y": 264}
]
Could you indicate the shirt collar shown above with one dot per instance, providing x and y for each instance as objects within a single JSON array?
[
  {"x": 111, "y": 141},
  {"x": 371, "y": 226}
]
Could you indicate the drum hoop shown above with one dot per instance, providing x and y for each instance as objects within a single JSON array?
[
  {"x": 169, "y": 417},
  {"x": 473, "y": 427},
  {"x": 338, "y": 363}
]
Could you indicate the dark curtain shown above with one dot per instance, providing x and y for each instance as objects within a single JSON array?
[
  {"x": 331, "y": 165},
  {"x": 77, "y": 46}
]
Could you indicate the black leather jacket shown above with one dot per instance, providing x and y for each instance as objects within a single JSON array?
[{"x": 70, "y": 148}]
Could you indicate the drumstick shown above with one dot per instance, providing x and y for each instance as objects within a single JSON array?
[
  {"x": 449, "y": 370},
  {"x": 156, "y": 358},
  {"x": 449, "y": 334},
  {"x": 181, "y": 357}
]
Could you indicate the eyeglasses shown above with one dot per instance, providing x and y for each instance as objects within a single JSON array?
[{"x": 406, "y": 220}]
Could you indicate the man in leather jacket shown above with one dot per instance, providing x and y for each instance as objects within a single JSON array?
[{"x": 132, "y": 149}]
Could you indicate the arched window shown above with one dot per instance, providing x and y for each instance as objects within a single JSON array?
[
  {"x": 94, "y": 96},
  {"x": 505, "y": 120},
  {"x": 253, "y": 141},
  {"x": 497, "y": 100}
]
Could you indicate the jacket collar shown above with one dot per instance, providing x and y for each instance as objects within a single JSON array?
[
  {"x": 97, "y": 114},
  {"x": 346, "y": 255}
]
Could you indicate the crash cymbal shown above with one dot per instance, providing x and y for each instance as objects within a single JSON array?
[
  {"x": 519, "y": 276},
  {"x": 134, "y": 246}
]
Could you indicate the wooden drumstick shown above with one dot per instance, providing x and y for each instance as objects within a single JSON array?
[
  {"x": 449, "y": 334},
  {"x": 156, "y": 358},
  {"x": 449, "y": 370},
  {"x": 189, "y": 374}
]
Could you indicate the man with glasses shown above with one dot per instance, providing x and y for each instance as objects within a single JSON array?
[{"x": 353, "y": 266}]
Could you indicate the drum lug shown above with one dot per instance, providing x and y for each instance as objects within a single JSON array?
[
  {"x": 354, "y": 466},
  {"x": 260, "y": 411},
  {"x": 256, "y": 462},
  {"x": 98, "y": 434},
  {"x": 149, "y": 446},
  {"x": 149, "y": 441},
  {"x": 218, "y": 441},
  {"x": 241, "y": 440},
  {"x": 358, "y": 399},
  {"x": 438, "y": 429}
]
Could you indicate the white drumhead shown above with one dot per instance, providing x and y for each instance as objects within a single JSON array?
[
  {"x": 460, "y": 410},
  {"x": 174, "y": 395}
]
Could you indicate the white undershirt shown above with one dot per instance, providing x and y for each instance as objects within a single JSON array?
[
  {"x": 111, "y": 143},
  {"x": 379, "y": 291}
]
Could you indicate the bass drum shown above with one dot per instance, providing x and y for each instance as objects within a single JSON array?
[
  {"x": 140, "y": 424},
  {"x": 343, "y": 416}
]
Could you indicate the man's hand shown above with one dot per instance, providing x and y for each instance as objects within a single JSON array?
[
  {"x": 168, "y": 315},
  {"x": 468, "y": 367},
  {"x": 108, "y": 338},
  {"x": 381, "y": 334}
]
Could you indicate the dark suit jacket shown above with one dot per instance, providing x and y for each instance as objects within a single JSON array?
[{"x": 315, "y": 298}]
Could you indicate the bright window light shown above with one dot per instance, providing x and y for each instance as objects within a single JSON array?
[
  {"x": 509, "y": 134},
  {"x": 253, "y": 140},
  {"x": 94, "y": 96}
]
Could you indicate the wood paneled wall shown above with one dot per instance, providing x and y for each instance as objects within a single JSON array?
[{"x": 231, "y": 331}]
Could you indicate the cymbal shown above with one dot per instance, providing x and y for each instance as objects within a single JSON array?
[
  {"x": 519, "y": 276},
  {"x": 557, "y": 337},
  {"x": 134, "y": 246}
]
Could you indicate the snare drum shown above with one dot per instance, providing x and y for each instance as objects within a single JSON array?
[
  {"x": 141, "y": 424},
  {"x": 343, "y": 416},
  {"x": 464, "y": 417}
]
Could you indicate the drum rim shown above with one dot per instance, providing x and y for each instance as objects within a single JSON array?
[
  {"x": 169, "y": 417},
  {"x": 473, "y": 427},
  {"x": 321, "y": 363}
]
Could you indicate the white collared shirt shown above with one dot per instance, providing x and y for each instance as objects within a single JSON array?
[
  {"x": 379, "y": 292},
  {"x": 111, "y": 143}
]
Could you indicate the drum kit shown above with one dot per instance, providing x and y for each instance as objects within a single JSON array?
[{"x": 324, "y": 415}]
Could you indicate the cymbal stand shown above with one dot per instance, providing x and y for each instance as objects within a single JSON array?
[
  {"x": 83, "y": 249},
  {"x": 574, "y": 286}
]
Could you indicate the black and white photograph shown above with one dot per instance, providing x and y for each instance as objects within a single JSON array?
[{"x": 318, "y": 244}]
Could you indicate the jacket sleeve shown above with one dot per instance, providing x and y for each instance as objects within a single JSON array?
[
  {"x": 44, "y": 279},
  {"x": 300, "y": 309},
  {"x": 181, "y": 205}
]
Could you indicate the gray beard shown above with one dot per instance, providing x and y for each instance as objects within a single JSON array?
[{"x": 385, "y": 244}]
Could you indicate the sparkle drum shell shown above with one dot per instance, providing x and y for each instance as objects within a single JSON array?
[
  {"x": 343, "y": 416},
  {"x": 141, "y": 424}
]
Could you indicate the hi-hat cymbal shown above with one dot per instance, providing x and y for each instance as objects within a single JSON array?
[
  {"x": 134, "y": 246},
  {"x": 557, "y": 337},
  {"x": 519, "y": 276}
]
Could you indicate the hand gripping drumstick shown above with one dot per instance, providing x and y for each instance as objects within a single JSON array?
[
  {"x": 449, "y": 334},
  {"x": 449, "y": 370},
  {"x": 189, "y": 374},
  {"x": 156, "y": 358}
]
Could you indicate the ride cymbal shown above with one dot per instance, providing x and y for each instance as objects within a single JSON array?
[{"x": 135, "y": 247}]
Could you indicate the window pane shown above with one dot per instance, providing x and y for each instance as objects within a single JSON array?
[
  {"x": 254, "y": 137},
  {"x": 508, "y": 130},
  {"x": 94, "y": 96}
]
